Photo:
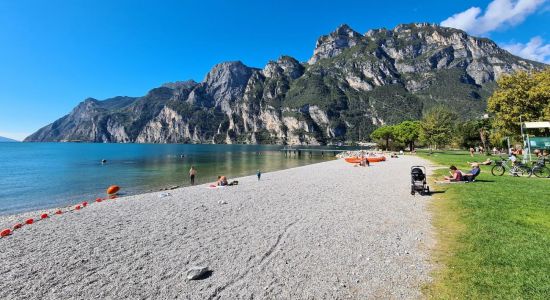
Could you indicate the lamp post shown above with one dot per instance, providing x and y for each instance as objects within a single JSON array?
[{"x": 482, "y": 132}]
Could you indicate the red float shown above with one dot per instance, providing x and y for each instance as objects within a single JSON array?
[
  {"x": 112, "y": 197},
  {"x": 98, "y": 200},
  {"x": 113, "y": 189},
  {"x": 84, "y": 204},
  {"x": 17, "y": 226},
  {"x": 5, "y": 232},
  {"x": 58, "y": 212},
  {"x": 44, "y": 216},
  {"x": 29, "y": 221},
  {"x": 356, "y": 160},
  {"x": 77, "y": 207}
]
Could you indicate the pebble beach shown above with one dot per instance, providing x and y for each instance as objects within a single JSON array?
[{"x": 324, "y": 231}]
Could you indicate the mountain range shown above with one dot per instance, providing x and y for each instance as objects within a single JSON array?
[
  {"x": 5, "y": 139},
  {"x": 352, "y": 84}
]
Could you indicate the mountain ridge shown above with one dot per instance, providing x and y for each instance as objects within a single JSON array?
[
  {"x": 7, "y": 140},
  {"x": 352, "y": 84}
]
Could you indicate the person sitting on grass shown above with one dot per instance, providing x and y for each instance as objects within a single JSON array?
[
  {"x": 456, "y": 175},
  {"x": 471, "y": 176}
]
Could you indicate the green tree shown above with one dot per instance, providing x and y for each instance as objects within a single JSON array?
[
  {"x": 524, "y": 96},
  {"x": 437, "y": 127},
  {"x": 385, "y": 133},
  {"x": 407, "y": 132},
  {"x": 467, "y": 133}
]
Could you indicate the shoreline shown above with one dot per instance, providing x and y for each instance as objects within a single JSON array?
[
  {"x": 59, "y": 182},
  {"x": 35, "y": 213},
  {"x": 321, "y": 230}
]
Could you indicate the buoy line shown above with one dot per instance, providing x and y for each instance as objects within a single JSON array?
[{"x": 112, "y": 190}]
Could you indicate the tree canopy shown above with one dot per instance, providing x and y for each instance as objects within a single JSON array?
[
  {"x": 383, "y": 133},
  {"x": 521, "y": 95},
  {"x": 407, "y": 132},
  {"x": 437, "y": 126}
]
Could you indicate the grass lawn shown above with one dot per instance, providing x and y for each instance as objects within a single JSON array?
[{"x": 493, "y": 234}]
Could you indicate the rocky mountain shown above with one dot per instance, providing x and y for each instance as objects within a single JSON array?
[
  {"x": 352, "y": 84},
  {"x": 5, "y": 139}
]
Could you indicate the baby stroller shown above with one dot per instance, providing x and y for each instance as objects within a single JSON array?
[{"x": 418, "y": 181}]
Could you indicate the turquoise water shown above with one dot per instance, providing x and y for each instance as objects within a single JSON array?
[{"x": 46, "y": 175}]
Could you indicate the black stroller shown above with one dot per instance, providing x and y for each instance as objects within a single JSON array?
[{"x": 418, "y": 181}]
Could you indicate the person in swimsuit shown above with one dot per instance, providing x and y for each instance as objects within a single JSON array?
[{"x": 192, "y": 174}]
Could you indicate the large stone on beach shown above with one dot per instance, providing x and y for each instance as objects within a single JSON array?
[{"x": 197, "y": 273}]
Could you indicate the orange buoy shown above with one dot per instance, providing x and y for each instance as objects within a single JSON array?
[
  {"x": 17, "y": 226},
  {"x": 84, "y": 204},
  {"x": 113, "y": 189},
  {"x": 5, "y": 232},
  {"x": 29, "y": 221},
  {"x": 77, "y": 207},
  {"x": 43, "y": 216},
  {"x": 58, "y": 212}
]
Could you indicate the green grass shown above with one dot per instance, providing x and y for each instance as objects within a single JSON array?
[{"x": 493, "y": 235}]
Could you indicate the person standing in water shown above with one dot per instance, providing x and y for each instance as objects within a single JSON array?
[
  {"x": 192, "y": 173},
  {"x": 259, "y": 174}
]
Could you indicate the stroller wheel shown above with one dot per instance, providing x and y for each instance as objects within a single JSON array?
[
  {"x": 412, "y": 193},
  {"x": 422, "y": 193},
  {"x": 427, "y": 190}
]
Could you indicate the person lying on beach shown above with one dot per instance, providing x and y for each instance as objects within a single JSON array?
[{"x": 456, "y": 175}]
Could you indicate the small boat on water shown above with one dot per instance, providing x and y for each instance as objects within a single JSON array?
[{"x": 371, "y": 159}]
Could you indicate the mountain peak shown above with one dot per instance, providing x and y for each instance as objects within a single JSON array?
[
  {"x": 186, "y": 84},
  {"x": 233, "y": 72},
  {"x": 344, "y": 29},
  {"x": 402, "y": 27},
  {"x": 333, "y": 44}
]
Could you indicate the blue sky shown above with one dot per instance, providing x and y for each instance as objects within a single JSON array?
[{"x": 54, "y": 54}]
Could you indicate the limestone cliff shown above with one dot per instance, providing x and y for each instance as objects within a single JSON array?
[{"x": 352, "y": 84}]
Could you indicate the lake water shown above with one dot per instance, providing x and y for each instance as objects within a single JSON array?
[{"x": 45, "y": 175}]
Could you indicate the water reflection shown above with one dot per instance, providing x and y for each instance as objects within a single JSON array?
[{"x": 38, "y": 175}]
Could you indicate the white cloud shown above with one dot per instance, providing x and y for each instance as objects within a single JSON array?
[
  {"x": 499, "y": 13},
  {"x": 535, "y": 49}
]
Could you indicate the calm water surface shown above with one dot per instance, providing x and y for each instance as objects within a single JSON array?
[{"x": 46, "y": 175}]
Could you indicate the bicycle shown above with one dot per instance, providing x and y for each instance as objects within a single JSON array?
[
  {"x": 517, "y": 169},
  {"x": 540, "y": 169}
]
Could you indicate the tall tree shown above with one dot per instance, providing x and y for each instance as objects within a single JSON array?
[
  {"x": 468, "y": 133},
  {"x": 520, "y": 97},
  {"x": 407, "y": 132},
  {"x": 385, "y": 133},
  {"x": 437, "y": 126}
]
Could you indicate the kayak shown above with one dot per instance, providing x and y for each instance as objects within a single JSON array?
[{"x": 356, "y": 160}]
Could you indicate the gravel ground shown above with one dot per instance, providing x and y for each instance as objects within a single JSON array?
[{"x": 323, "y": 231}]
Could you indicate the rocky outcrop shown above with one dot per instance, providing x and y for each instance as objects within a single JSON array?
[
  {"x": 333, "y": 44},
  {"x": 352, "y": 84}
]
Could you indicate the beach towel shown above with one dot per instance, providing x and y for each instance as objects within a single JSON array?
[
  {"x": 213, "y": 186},
  {"x": 449, "y": 182}
]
